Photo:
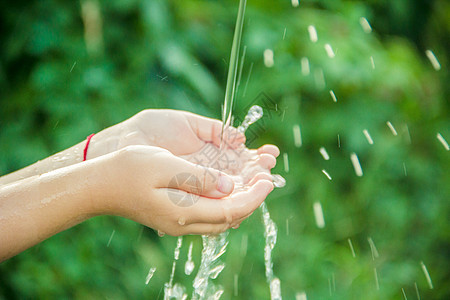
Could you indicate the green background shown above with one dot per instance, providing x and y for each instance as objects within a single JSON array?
[{"x": 57, "y": 87}]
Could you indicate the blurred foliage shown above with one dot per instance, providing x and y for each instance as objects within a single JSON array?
[{"x": 66, "y": 72}]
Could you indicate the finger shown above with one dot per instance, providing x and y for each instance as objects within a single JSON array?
[
  {"x": 210, "y": 130},
  {"x": 269, "y": 149},
  {"x": 224, "y": 211},
  {"x": 267, "y": 161},
  {"x": 260, "y": 176},
  {"x": 194, "y": 179},
  {"x": 202, "y": 228}
]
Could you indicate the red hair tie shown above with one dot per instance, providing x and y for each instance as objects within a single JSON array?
[{"x": 88, "y": 140}]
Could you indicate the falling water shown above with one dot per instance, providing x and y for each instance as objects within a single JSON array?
[
  {"x": 189, "y": 266},
  {"x": 175, "y": 291},
  {"x": 270, "y": 234},
  {"x": 214, "y": 246},
  {"x": 270, "y": 229}
]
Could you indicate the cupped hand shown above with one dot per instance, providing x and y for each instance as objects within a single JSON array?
[
  {"x": 246, "y": 167},
  {"x": 180, "y": 132},
  {"x": 154, "y": 187}
]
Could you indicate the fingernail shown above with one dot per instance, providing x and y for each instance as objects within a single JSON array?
[{"x": 225, "y": 184}]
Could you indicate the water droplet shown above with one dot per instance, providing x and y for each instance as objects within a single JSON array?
[
  {"x": 365, "y": 25},
  {"x": 286, "y": 162},
  {"x": 318, "y": 214},
  {"x": 160, "y": 233},
  {"x": 278, "y": 181},
  {"x": 150, "y": 275},
  {"x": 329, "y": 51},
  {"x": 189, "y": 266},
  {"x": 268, "y": 58},
  {"x": 443, "y": 141},
  {"x": 434, "y": 61},
  {"x": 305, "y": 66},
  {"x": 312, "y": 33},
  {"x": 333, "y": 96},
  {"x": 324, "y": 153},
  {"x": 391, "y": 127},
  {"x": 351, "y": 247},
  {"x": 427, "y": 275},
  {"x": 275, "y": 289},
  {"x": 110, "y": 238},
  {"x": 368, "y": 137},
  {"x": 326, "y": 174},
  {"x": 372, "y": 62},
  {"x": 297, "y": 136},
  {"x": 182, "y": 221},
  {"x": 356, "y": 164},
  {"x": 301, "y": 296}
]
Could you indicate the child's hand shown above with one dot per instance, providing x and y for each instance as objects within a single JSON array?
[
  {"x": 152, "y": 186},
  {"x": 245, "y": 166},
  {"x": 180, "y": 132}
]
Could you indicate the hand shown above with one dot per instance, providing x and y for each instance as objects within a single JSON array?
[
  {"x": 152, "y": 186},
  {"x": 180, "y": 132}
]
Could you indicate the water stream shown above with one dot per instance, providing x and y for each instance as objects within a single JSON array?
[{"x": 214, "y": 246}]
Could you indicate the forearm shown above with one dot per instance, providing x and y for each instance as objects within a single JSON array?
[
  {"x": 33, "y": 209},
  {"x": 59, "y": 160},
  {"x": 101, "y": 143}
]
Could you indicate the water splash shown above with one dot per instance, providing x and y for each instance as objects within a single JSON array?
[
  {"x": 174, "y": 291},
  {"x": 210, "y": 266},
  {"x": 254, "y": 114},
  {"x": 278, "y": 181},
  {"x": 372, "y": 62}
]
